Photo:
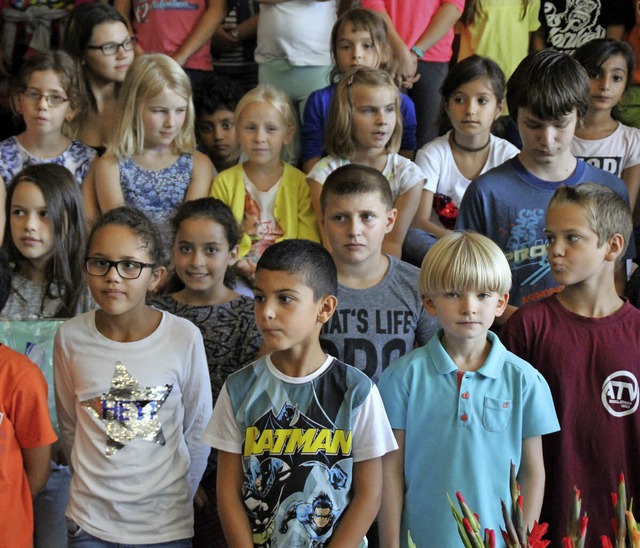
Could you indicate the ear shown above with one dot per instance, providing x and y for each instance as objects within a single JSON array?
[
  {"x": 614, "y": 247},
  {"x": 158, "y": 275},
  {"x": 427, "y": 302},
  {"x": 503, "y": 301},
  {"x": 328, "y": 306},
  {"x": 499, "y": 109},
  {"x": 233, "y": 256},
  {"x": 291, "y": 131},
  {"x": 392, "y": 215},
  {"x": 70, "y": 115}
]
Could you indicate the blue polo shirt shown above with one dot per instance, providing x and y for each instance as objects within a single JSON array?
[{"x": 461, "y": 439}]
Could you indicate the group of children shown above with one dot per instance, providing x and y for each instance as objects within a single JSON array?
[{"x": 307, "y": 451}]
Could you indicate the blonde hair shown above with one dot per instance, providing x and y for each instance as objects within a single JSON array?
[
  {"x": 277, "y": 99},
  {"x": 465, "y": 261},
  {"x": 148, "y": 76},
  {"x": 339, "y": 133},
  {"x": 605, "y": 211}
]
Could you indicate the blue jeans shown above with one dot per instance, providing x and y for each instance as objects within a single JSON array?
[{"x": 79, "y": 538}]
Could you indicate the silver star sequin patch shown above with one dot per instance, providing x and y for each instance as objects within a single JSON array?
[{"x": 129, "y": 410}]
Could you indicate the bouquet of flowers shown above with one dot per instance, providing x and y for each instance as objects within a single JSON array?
[
  {"x": 577, "y": 526},
  {"x": 625, "y": 528},
  {"x": 516, "y": 534}
]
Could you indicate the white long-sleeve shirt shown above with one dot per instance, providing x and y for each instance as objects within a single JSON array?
[{"x": 131, "y": 416}]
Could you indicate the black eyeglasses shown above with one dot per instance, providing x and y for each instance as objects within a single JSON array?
[
  {"x": 111, "y": 48},
  {"x": 129, "y": 270},
  {"x": 52, "y": 99}
]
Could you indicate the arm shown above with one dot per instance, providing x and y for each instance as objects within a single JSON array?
[
  {"x": 124, "y": 7},
  {"x": 235, "y": 523},
  {"x": 405, "y": 62},
  {"x": 365, "y": 503},
  {"x": 197, "y": 405},
  {"x": 108, "y": 188},
  {"x": 423, "y": 216},
  {"x": 89, "y": 199},
  {"x": 407, "y": 205},
  {"x": 65, "y": 397},
  {"x": 531, "y": 477},
  {"x": 393, "y": 486},
  {"x": 201, "y": 178},
  {"x": 3, "y": 207},
  {"x": 36, "y": 465},
  {"x": 203, "y": 31},
  {"x": 442, "y": 21}
]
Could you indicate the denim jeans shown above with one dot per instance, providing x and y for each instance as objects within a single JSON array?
[
  {"x": 79, "y": 538},
  {"x": 48, "y": 509}
]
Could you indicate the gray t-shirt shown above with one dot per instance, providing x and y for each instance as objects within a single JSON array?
[
  {"x": 28, "y": 301},
  {"x": 374, "y": 326}
]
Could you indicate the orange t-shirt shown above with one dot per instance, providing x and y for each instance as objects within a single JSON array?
[{"x": 24, "y": 424}]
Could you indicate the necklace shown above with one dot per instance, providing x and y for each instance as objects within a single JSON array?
[{"x": 469, "y": 149}]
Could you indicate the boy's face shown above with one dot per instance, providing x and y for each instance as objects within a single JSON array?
[
  {"x": 356, "y": 226},
  {"x": 287, "y": 315},
  {"x": 217, "y": 134},
  {"x": 573, "y": 251},
  {"x": 466, "y": 316},
  {"x": 545, "y": 142}
]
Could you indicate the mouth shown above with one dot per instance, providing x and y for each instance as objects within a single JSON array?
[
  {"x": 197, "y": 275},
  {"x": 30, "y": 241}
]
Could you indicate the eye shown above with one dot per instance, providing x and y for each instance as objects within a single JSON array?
[
  {"x": 99, "y": 263},
  {"x": 181, "y": 110},
  {"x": 338, "y": 218},
  {"x": 227, "y": 125},
  {"x": 367, "y": 45},
  {"x": 129, "y": 265},
  {"x": 249, "y": 127},
  {"x": 390, "y": 108},
  {"x": 450, "y": 294},
  {"x": 484, "y": 295},
  {"x": 272, "y": 129},
  {"x": 550, "y": 239},
  {"x": 17, "y": 212},
  {"x": 56, "y": 99},
  {"x": 483, "y": 100},
  {"x": 619, "y": 78},
  {"x": 367, "y": 216},
  {"x": 285, "y": 299},
  {"x": 44, "y": 213},
  {"x": 573, "y": 238},
  {"x": 211, "y": 250},
  {"x": 184, "y": 249},
  {"x": 258, "y": 298}
]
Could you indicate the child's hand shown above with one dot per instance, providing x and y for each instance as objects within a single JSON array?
[{"x": 200, "y": 499}]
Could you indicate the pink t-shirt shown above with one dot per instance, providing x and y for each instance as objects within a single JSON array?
[
  {"x": 163, "y": 25},
  {"x": 412, "y": 17}
]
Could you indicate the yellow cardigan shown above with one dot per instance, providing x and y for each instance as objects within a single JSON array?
[{"x": 292, "y": 211}]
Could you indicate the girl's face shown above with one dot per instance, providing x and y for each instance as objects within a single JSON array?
[
  {"x": 115, "y": 295},
  {"x": 201, "y": 256},
  {"x": 263, "y": 132},
  {"x": 110, "y": 68},
  {"x": 607, "y": 87},
  {"x": 374, "y": 116},
  {"x": 473, "y": 107},
  {"x": 40, "y": 116},
  {"x": 163, "y": 117},
  {"x": 355, "y": 48},
  {"x": 31, "y": 226}
]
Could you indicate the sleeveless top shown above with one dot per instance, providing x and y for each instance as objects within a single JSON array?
[{"x": 157, "y": 193}]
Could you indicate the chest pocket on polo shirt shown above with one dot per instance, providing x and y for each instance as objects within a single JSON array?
[{"x": 496, "y": 414}]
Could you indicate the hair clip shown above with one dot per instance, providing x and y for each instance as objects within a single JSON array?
[{"x": 354, "y": 72}]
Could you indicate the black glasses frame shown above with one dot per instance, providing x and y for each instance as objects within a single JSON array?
[{"x": 116, "y": 265}]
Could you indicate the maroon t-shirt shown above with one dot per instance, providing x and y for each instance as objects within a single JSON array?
[{"x": 592, "y": 366}]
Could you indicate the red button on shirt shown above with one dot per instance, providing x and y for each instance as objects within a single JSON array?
[
  {"x": 464, "y": 418},
  {"x": 465, "y": 395}
]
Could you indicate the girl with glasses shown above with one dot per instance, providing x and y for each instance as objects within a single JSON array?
[
  {"x": 47, "y": 96},
  {"x": 97, "y": 37},
  {"x": 133, "y": 396}
]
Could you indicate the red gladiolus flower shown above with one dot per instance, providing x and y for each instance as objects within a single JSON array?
[
  {"x": 606, "y": 543},
  {"x": 584, "y": 520},
  {"x": 467, "y": 525}
]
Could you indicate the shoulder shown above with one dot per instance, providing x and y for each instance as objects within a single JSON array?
[
  {"x": 292, "y": 174},
  {"x": 501, "y": 148},
  {"x": 326, "y": 165},
  {"x": 200, "y": 160},
  {"x": 350, "y": 379},
  {"x": 164, "y": 302},
  {"x": 404, "y": 271},
  {"x": 9, "y": 145},
  {"x": 596, "y": 175},
  {"x": 178, "y": 328},
  {"x": 80, "y": 150}
]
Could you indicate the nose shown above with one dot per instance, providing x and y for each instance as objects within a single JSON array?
[
  {"x": 260, "y": 134},
  {"x": 197, "y": 258},
  {"x": 471, "y": 107},
  {"x": 357, "y": 52},
  {"x": 218, "y": 133},
  {"x": 547, "y": 135},
  {"x": 30, "y": 222},
  {"x": 169, "y": 119},
  {"x": 555, "y": 248},
  {"x": 267, "y": 309},
  {"x": 112, "y": 274},
  {"x": 467, "y": 304},
  {"x": 355, "y": 227}
]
